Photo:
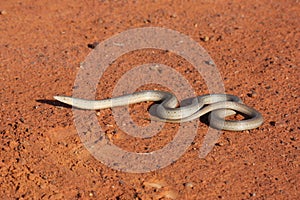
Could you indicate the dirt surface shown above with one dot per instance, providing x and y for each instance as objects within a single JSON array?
[{"x": 255, "y": 45}]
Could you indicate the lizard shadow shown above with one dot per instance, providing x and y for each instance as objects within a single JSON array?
[{"x": 53, "y": 103}]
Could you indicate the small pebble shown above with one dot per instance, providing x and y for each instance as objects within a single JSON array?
[
  {"x": 3, "y": 12},
  {"x": 22, "y": 120},
  {"x": 188, "y": 185},
  {"x": 91, "y": 194},
  {"x": 146, "y": 21},
  {"x": 205, "y": 38},
  {"x": 173, "y": 16},
  {"x": 210, "y": 62},
  {"x": 252, "y": 94},
  {"x": 93, "y": 45},
  {"x": 100, "y": 21}
]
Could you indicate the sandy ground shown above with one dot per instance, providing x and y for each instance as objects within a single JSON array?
[{"x": 255, "y": 45}]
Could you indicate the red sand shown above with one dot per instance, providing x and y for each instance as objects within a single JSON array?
[{"x": 255, "y": 45}]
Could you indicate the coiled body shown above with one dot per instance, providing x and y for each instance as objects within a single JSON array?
[{"x": 220, "y": 106}]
